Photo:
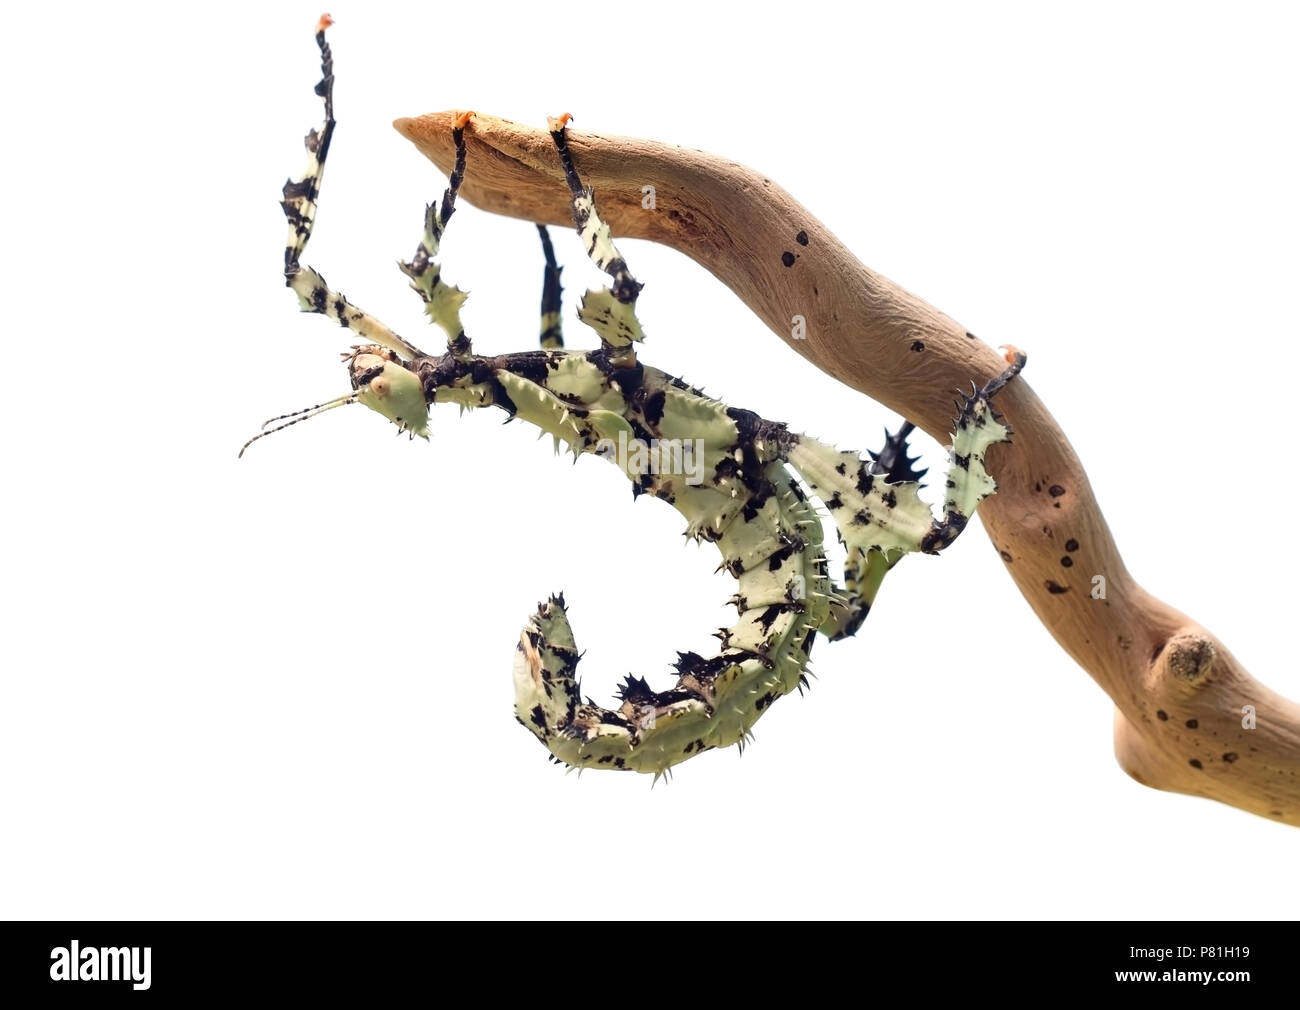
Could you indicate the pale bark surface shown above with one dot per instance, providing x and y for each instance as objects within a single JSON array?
[{"x": 1178, "y": 691}]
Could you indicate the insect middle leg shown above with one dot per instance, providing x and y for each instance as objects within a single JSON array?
[
  {"x": 442, "y": 301},
  {"x": 552, "y": 336},
  {"x": 611, "y": 311}
]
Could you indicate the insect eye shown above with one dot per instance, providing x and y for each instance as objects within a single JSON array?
[{"x": 394, "y": 391}]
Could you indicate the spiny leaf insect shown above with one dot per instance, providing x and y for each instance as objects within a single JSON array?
[{"x": 746, "y": 496}]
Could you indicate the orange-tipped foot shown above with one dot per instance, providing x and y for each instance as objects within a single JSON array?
[
  {"x": 324, "y": 22},
  {"x": 1009, "y": 353},
  {"x": 462, "y": 119},
  {"x": 558, "y": 123}
]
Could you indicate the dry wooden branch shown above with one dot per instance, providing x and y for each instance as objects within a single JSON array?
[{"x": 1179, "y": 694}]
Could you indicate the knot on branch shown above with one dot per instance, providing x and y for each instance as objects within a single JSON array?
[{"x": 1188, "y": 658}]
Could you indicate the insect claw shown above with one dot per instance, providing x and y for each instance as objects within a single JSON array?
[
  {"x": 462, "y": 119},
  {"x": 556, "y": 124}
]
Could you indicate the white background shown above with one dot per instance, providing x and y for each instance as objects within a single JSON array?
[{"x": 281, "y": 686}]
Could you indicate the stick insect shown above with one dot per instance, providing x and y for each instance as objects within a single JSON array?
[{"x": 747, "y": 500}]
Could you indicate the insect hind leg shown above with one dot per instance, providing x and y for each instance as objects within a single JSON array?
[
  {"x": 876, "y": 516},
  {"x": 864, "y": 571}
]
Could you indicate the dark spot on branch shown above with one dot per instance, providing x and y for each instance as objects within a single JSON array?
[
  {"x": 1162, "y": 715},
  {"x": 1195, "y": 763},
  {"x": 1056, "y": 490},
  {"x": 1055, "y": 588},
  {"x": 787, "y": 258}
]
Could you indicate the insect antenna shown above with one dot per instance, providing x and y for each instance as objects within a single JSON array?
[{"x": 300, "y": 415}]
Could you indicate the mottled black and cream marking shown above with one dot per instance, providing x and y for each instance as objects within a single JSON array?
[{"x": 750, "y": 503}]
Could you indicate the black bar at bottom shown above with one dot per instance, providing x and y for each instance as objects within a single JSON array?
[{"x": 667, "y": 961}]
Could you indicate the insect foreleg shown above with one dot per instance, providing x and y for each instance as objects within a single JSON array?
[
  {"x": 381, "y": 378},
  {"x": 299, "y": 204}
]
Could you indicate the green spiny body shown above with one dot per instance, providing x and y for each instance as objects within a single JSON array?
[{"x": 733, "y": 475}]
